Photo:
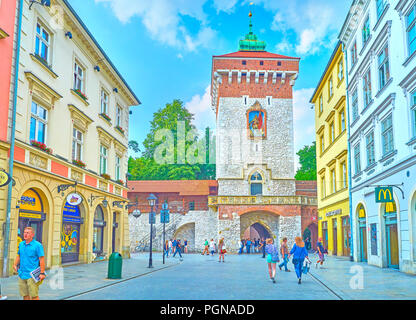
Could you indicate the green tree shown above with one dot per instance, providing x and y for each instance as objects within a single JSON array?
[
  {"x": 172, "y": 148},
  {"x": 307, "y": 160}
]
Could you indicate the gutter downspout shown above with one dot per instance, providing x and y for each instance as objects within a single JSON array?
[
  {"x": 12, "y": 142},
  {"x": 349, "y": 153}
]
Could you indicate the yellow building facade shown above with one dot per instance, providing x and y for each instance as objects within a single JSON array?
[
  {"x": 70, "y": 155},
  {"x": 331, "y": 123}
]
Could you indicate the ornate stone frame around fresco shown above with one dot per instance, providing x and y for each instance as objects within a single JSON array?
[{"x": 256, "y": 107}]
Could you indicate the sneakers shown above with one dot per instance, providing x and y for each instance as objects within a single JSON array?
[
  {"x": 287, "y": 270},
  {"x": 300, "y": 280},
  {"x": 280, "y": 268}
]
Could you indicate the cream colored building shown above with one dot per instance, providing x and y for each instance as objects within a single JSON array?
[
  {"x": 72, "y": 99},
  {"x": 331, "y": 156}
]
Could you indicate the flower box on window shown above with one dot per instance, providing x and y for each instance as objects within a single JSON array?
[
  {"x": 42, "y": 60},
  {"x": 105, "y": 116},
  {"x": 120, "y": 129},
  {"x": 119, "y": 181},
  {"x": 41, "y": 146},
  {"x": 106, "y": 176},
  {"x": 82, "y": 95},
  {"x": 79, "y": 163}
]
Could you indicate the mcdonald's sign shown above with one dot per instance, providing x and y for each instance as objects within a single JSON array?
[{"x": 384, "y": 194}]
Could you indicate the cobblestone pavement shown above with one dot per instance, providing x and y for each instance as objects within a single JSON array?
[
  {"x": 242, "y": 277},
  {"x": 344, "y": 278},
  {"x": 204, "y": 278}
]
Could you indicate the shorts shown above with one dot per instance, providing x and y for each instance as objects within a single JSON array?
[{"x": 28, "y": 287}]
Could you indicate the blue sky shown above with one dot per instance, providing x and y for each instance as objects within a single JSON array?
[{"x": 164, "y": 48}]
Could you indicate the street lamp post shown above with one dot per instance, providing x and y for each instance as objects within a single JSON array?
[
  {"x": 164, "y": 218},
  {"x": 152, "y": 201}
]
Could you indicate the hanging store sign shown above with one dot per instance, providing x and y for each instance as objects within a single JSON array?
[
  {"x": 384, "y": 194},
  {"x": 74, "y": 199},
  {"x": 5, "y": 178}
]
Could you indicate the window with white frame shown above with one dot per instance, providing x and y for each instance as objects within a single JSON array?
[
  {"x": 357, "y": 159},
  {"x": 321, "y": 104},
  {"x": 103, "y": 159},
  {"x": 333, "y": 181},
  {"x": 354, "y": 104},
  {"x": 322, "y": 143},
  {"x": 332, "y": 131},
  {"x": 411, "y": 30},
  {"x": 367, "y": 88},
  {"x": 369, "y": 139},
  {"x": 38, "y": 123},
  {"x": 104, "y": 102},
  {"x": 366, "y": 30},
  {"x": 344, "y": 174},
  {"x": 342, "y": 120},
  {"x": 323, "y": 191},
  {"x": 79, "y": 77},
  {"x": 118, "y": 168},
  {"x": 42, "y": 43},
  {"x": 387, "y": 135},
  {"x": 340, "y": 70},
  {"x": 354, "y": 54},
  {"x": 77, "y": 144},
  {"x": 413, "y": 112},
  {"x": 381, "y": 4},
  {"x": 118, "y": 116},
  {"x": 383, "y": 67},
  {"x": 330, "y": 87}
]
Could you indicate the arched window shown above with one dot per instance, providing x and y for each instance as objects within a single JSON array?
[{"x": 256, "y": 185}]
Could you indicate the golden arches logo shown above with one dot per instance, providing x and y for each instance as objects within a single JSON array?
[{"x": 384, "y": 191}]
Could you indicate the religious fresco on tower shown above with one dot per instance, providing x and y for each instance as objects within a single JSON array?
[{"x": 256, "y": 122}]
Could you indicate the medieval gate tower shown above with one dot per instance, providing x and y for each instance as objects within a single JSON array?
[{"x": 251, "y": 93}]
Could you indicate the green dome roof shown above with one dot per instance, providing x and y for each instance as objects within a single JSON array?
[{"x": 250, "y": 43}]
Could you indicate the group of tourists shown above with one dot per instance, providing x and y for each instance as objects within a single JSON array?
[
  {"x": 252, "y": 245},
  {"x": 174, "y": 246},
  {"x": 210, "y": 247},
  {"x": 299, "y": 253}
]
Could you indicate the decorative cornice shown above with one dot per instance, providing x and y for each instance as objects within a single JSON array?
[
  {"x": 79, "y": 116},
  {"x": 42, "y": 90}
]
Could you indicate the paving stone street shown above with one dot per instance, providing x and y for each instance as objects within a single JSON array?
[{"x": 241, "y": 277}]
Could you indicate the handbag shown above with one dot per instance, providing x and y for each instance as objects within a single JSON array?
[{"x": 306, "y": 267}]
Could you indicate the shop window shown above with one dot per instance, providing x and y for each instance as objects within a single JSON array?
[{"x": 98, "y": 234}]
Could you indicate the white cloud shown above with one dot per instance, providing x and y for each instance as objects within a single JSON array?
[
  {"x": 225, "y": 5},
  {"x": 303, "y": 120},
  {"x": 200, "y": 106},
  {"x": 163, "y": 20}
]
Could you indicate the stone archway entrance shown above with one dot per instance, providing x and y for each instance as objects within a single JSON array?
[
  {"x": 256, "y": 231},
  {"x": 261, "y": 222},
  {"x": 187, "y": 232}
]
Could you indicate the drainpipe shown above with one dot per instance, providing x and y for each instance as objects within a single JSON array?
[
  {"x": 349, "y": 153},
  {"x": 12, "y": 142}
]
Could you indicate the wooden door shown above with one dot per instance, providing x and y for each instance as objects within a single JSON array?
[{"x": 392, "y": 246}]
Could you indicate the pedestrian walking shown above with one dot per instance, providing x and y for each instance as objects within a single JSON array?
[
  {"x": 206, "y": 248},
  {"x": 30, "y": 256},
  {"x": 299, "y": 254},
  {"x": 170, "y": 246},
  {"x": 241, "y": 246},
  {"x": 263, "y": 247},
  {"x": 284, "y": 251},
  {"x": 272, "y": 258},
  {"x": 178, "y": 249},
  {"x": 255, "y": 249},
  {"x": 174, "y": 243},
  {"x": 248, "y": 245},
  {"x": 166, "y": 249},
  {"x": 212, "y": 247},
  {"x": 221, "y": 250},
  {"x": 185, "y": 245},
  {"x": 321, "y": 252}
]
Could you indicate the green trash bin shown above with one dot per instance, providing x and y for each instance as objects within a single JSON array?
[{"x": 115, "y": 264}]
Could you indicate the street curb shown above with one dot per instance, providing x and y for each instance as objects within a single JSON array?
[{"x": 115, "y": 282}]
